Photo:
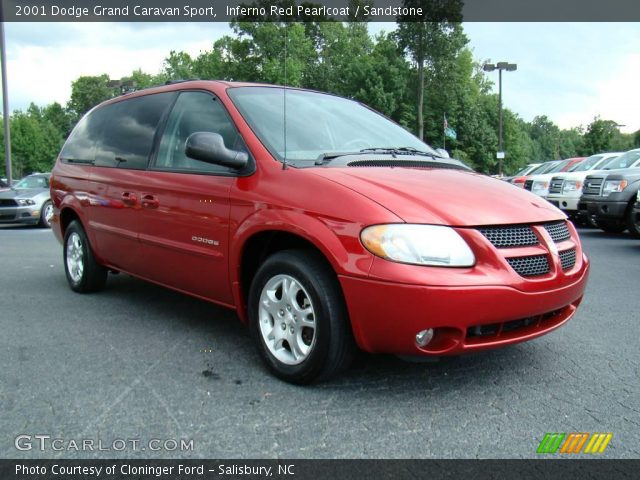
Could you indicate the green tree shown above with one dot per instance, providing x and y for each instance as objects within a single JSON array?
[
  {"x": 35, "y": 141},
  {"x": 430, "y": 43},
  {"x": 570, "y": 142},
  {"x": 87, "y": 92},
  {"x": 140, "y": 79},
  {"x": 600, "y": 136},
  {"x": 546, "y": 137},
  {"x": 178, "y": 66}
]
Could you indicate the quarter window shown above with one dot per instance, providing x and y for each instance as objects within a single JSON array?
[
  {"x": 195, "y": 112},
  {"x": 81, "y": 144}
]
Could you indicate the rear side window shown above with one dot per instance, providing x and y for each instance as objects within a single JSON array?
[
  {"x": 195, "y": 112},
  {"x": 129, "y": 130},
  {"x": 81, "y": 145}
]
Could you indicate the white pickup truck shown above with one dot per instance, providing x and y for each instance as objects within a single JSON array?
[{"x": 565, "y": 189}]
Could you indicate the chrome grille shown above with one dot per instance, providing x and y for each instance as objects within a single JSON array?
[
  {"x": 568, "y": 259},
  {"x": 556, "y": 185},
  {"x": 510, "y": 236},
  {"x": 528, "y": 184},
  {"x": 558, "y": 231},
  {"x": 531, "y": 266},
  {"x": 592, "y": 186}
]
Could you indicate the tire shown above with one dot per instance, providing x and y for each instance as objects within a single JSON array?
[
  {"x": 84, "y": 274},
  {"x": 294, "y": 350},
  {"x": 46, "y": 214},
  {"x": 612, "y": 226},
  {"x": 633, "y": 222}
]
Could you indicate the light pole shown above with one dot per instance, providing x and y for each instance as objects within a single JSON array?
[
  {"x": 500, "y": 66},
  {"x": 5, "y": 104}
]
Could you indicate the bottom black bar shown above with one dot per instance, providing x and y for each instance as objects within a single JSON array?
[{"x": 317, "y": 469}]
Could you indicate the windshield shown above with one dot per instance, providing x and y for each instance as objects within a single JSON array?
[
  {"x": 523, "y": 171},
  {"x": 33, "y": 182},
  {"x": 317, "y": 124},
  {"x": 559, "y": 166},
  {"x": 545, "y": 167},
  {"x": 586, "y": 164},
  {"x": 623, "y": 161}
]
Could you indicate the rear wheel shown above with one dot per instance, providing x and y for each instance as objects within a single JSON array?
[
  {"x": 299, "y": 318},
  {"x": 612, "y": 226},
  {"x": 633, "y": 222},
  {"x": 84, "y": 274}
]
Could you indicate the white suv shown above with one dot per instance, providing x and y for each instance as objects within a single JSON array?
[
  {"x": 565, "y": 189},
  {"x": 539, "y": 183}
]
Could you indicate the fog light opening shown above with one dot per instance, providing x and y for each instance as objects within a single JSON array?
[{"x": 423, "y": 337}]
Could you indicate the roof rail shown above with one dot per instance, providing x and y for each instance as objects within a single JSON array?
[{"x": 180, "y": 80}]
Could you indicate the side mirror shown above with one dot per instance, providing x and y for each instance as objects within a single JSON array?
[
  {"x": 442, "y": 152},
  {"x": 209, "y": 147}
]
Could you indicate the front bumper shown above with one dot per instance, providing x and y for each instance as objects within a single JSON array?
[
  {"x": 564, "y": 203},
  {"x": 387, "y": 316},
  {"x": 604, "y": 209},
  {"x": 28, "y": 214}
]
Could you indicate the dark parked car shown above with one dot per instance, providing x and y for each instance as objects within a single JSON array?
[{"x": 348, "y": 231}]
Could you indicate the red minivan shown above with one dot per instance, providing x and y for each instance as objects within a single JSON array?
[{"x": 325, "y": 225}]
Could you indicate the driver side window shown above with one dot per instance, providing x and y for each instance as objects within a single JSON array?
[{"x": 195, "y": 112}]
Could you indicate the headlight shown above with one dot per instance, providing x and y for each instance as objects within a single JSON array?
[
  {"x": 571, "y": 186},
  {"x": 25, "y": 201},
  {"x": 613, "y": 186},
  {"x": 418, "y": 244},
  {"x": 539, "y": 187}
]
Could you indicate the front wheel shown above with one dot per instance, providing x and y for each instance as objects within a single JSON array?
[
  {"x": 46, "y": 214},
  {"x": 299, "y": 318},
  {"x": 84, "y": 274},
  {"x": 633, "y": 222}
]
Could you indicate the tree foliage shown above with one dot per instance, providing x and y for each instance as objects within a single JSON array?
[{"x": 415, "y": 75}]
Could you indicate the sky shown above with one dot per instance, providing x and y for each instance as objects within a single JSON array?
[{"x": 571, "y": 72}]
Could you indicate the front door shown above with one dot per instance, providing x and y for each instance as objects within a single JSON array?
[{"x": 185, "y": 204}]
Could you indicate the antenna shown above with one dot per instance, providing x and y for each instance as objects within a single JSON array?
[{"x": 284, "y": 95}]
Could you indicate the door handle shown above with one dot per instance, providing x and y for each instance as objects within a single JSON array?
[
  {"x": 129, "y": 198},
  {"x": 150, "y": 201}
]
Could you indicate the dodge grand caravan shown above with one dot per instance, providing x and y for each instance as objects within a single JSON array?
[{"x": 326, "y": 229}]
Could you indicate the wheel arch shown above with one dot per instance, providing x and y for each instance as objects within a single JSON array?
[{"x": 260, "y": 237}]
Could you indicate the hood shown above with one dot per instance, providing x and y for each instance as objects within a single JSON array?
[
  {"x": 543, "y": 176},
  {"x": 576, "y": 175},
  {"x": 22, "y": 193},
  {"x": 619, "y": 173},
  {"x": 444, "y": 196}
]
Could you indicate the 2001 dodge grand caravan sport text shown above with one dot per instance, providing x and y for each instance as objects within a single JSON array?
[{"x": 363, "y": 235}]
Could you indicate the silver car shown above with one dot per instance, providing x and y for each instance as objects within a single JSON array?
[{"x": 28, "y": 201}]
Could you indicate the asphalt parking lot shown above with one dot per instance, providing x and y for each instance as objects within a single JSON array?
[{"x": 140, "y": 362}]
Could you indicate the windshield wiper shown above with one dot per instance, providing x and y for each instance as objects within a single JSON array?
[
  {"x": 399, "y": 151},
  {"x": 393, "y": 151}
]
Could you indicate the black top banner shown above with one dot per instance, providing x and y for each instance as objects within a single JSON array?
[{"x": 320, "y": 10}]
